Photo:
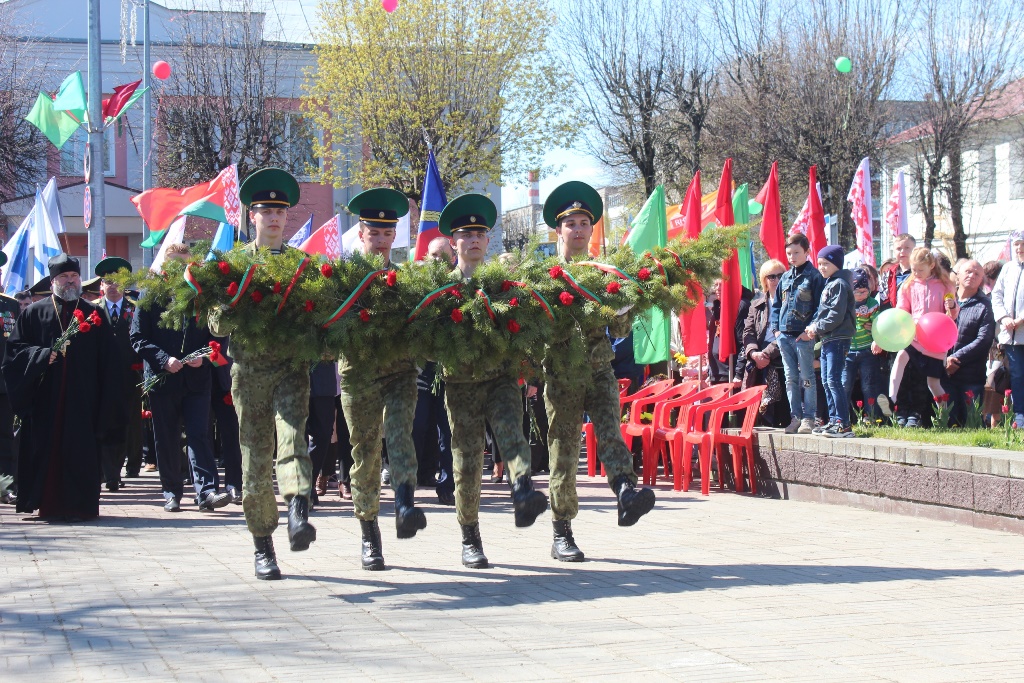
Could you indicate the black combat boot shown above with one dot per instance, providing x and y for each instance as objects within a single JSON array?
[
  {"x": 633, "y": 504},
  {"x": 266, "y": 559},
  {"x": 300, "y": 532},
  {"x": 528, "y": 504},
  {"x": 564, "y": 549},
  {"x": 373, "y": 552},
  {"x": 473, "y": 547},
  {"x": 408, "y": 519}
]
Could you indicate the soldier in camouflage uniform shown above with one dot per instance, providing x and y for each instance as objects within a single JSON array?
[
  {"x": 476, "y": 398},
  {"x": 381, "y": 402},
  {"x": 270, "y": 395},
  {"x": 571, "y": 210}
]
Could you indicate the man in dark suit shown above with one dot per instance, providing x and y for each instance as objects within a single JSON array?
[
  {"x": 227, "y": 424},
  {"x": 9, "y": 311},
  {"x": 323, "y": 389},
  {"x": 182, "y": 396},
  {"x": 118, "y": 311}
]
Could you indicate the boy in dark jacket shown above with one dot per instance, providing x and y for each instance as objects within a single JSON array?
[
  {"x": 834, "y": 325},
  {"x": 796, "y": 300}
]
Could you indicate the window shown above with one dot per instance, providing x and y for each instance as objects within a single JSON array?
[
  {"x": 72, "y": 154},
  {"x": 987, "y": 175},
  {"x": 1017, "y": 169},
  {"x": 294, "y": 143}
]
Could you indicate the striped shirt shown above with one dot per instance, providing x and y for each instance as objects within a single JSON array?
[{"x": 866, "y": 312}]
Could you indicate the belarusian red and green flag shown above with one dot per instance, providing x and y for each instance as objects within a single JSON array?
[
  {"x": 651, "y": 331},
  {"x": 216, "y": 199}
]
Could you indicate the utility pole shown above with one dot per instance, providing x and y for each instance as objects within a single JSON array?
[
  {"x": 147, "y": 125},
  {"x": 97, "y": 227}
]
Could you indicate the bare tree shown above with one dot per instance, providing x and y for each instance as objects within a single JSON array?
[
  {"x": 518, "y": 227},
  {"x": 230, "y": 100},
  {"x": 23, "y": 148}
]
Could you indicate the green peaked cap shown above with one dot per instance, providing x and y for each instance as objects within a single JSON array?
[
  {"x": 3, "y": 259},
  {"x": 269, "y": 187},
  {"x": 571, "y": 198},
  {"x": 112, "y": 264},
  {"x": 380, "y": 207},
  {"x": 467, "y": 212}
]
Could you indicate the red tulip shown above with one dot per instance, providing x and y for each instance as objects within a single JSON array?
[{"x": 233, "y": 289}]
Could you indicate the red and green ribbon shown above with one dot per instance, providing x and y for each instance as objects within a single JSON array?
[
  {"x": 661, "y": 268},
  {"x": 611, "y": 270},
  {"x": 291, "y": 285},
  {"x": 544, "y": 305},
  {"x": 487, "y": 303},
  {"x": 679, "y": 261},
  {"x": 247, "y": 277},
  {"x": 353, "y": 297},
  {"x": 191, "y": 281},
  {"x": 431, "y": 298},
  {"x": 586, "y": 293}
]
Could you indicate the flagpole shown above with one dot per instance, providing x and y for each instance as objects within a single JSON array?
[
  {"x": 147, "y": 126},
  {"x": 97, "y": 227}
]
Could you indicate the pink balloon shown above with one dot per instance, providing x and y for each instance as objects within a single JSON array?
[
  {"x": 162, "y": 70},
  {"x": 936, "y": 332},
  {"x": 389, "y": 5}
]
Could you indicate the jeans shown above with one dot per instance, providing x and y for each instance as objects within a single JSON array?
[
  {"x": 957, "y": 390},
  {"x": 833, "y": 363},
  {"x": 798, "y": 364},
  {"x": 869, "y": 368},
  {"x": 1015, "y": 355}
]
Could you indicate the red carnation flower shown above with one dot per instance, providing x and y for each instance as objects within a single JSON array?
[
  {"x": 233, "y": 289},
  {"x": 566, "y": 298},
  {"x": 224, "y": 267},
  {"x": 257, "y": 296},
  {"x": 277, "y": 288},
  {"x": 506, "y": 285},
  {"x": 85, "y": 327},
  {"x": 137, "y": 367},
  {"x": 860, "y": 404},
  {"x": 215, "y": 357},
  {"x": 612, "y": 287},
  {"x": 364, "y": 315},
  {"x": 513, "y": 326},
  {"x": 95, "y": 319},
  {"x": 391, "y": 278},
  {"x": 215, "y": 346},
  {"x": 514, "y": 301},
  {"x": 556, "y": 272},
  {"x": 146, "y": 414},
  {"x": 309, "y": 305},
  {"x": 643, "y": 274},
  {"x": 871, "y": 401},
  {"x": 79, "y": 316},
  {"x": 326, "y": 270},
  {"x": 227, "y": 400},
  {"x": 457, "y": 315}
]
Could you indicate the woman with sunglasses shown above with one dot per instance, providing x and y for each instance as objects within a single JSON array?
[{"x": 764, "y": 360}]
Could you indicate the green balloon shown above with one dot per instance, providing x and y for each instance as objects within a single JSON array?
[
  {"x": 754, "y": 207},
  {"x": 844, "y": 65},
  {"x": 894, "y": 329}
]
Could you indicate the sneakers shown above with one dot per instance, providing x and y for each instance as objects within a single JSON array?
[
  {"x": 884, "y": 405},
  {"x": 806, "y": 426},
  {"x": 793, "y": 426},
  {"x": 913, "y": 422},
  {"x": 838, "y": 430},
  {"x": 385, "y": 477},
  {"x": 821, "y": 429}
]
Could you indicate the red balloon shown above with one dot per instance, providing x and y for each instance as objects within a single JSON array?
[
  {"x": 389, "y": 5},
  {"x": 936, "y": 332},
  {"x": 162, "y": 70}
]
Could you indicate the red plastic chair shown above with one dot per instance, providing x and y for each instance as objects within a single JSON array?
[
  {"x": 635, "y": 426},
  {"x": 624, "y": 385},
  {"x": 742, "y": 443},
  {"x": 664, "y": 433},
  {"x": 644, "y": 392},
  {"x": 591, "y": 441},
  {"x": 706, "y": 440}
]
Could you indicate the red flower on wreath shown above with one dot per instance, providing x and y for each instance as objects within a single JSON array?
[
  {"x": 309, "y": 306},
  {"x": 556, "y": 272},
  {"x": 94, "y": 319},
  {"x": 84, "y": 327},
  {"x": 454, "y": 291},
  {"x": 391, "y": 278},
  {"x": 513, "y": 326},
  {"x": 233, "y": 289},
  {"x": 364, "y": 315},
  {"x": 644, "y": 274},
  {"x": 79, "y": 316},
  {"x": 224, "y": 267},
  {"x": 457, "y": 316},
  {"x": 513, "y": 302},
  {"x": 612, "y": 287},
  {"x": 228, "y": 400},
  {"x": 257, "y": 296},
  {"x": 506, "y": 285},
  {"x": 277, "y": 288},
  {"x": 566, "y": 298},
  {"x": 326, "y": 270}
]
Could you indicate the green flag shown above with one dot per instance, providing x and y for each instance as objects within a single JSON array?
[
  {"x": 741, "y": 212},
  {"x": 206, "y": 208},
  {"x": 71, "y": 97},
  {"x": 153, "y": 240},
  {"x": 57, "y": 126},
  {"x": 652, "y": 331}
]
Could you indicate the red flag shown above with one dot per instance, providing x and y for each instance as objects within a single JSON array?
[
  {"x": 692, "y": 208},
  {"x": 122, "y": 93},
  {"x": 693, "y": 324},
  {"x": 773, "y": 237},
  {"x": 325, "y": 241},
  {"x": 816, "y": 217},
  {"x": 732, "y": 287},
  {"x": 723, "y": 202}
]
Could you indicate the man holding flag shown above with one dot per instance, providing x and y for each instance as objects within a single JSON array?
[{"x": 572, "y": 209}]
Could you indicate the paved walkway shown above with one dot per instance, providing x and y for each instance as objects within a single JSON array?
[{"x": 727, "y": 588}]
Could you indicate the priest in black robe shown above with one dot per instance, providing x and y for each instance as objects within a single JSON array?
[{"x": 67, "y": 397}]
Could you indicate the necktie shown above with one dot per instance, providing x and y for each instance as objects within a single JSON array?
[{"x": 113, "y": 315}]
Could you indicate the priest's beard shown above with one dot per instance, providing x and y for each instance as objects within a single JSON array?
[{"x": 68, "y": 292}]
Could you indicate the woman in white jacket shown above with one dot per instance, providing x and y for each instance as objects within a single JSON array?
[{"x": 1008, "y": 308}]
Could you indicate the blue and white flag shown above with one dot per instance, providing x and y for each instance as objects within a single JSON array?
[
  {"x": 224, "y": 240},
  {"x": 17, "y": 272},
  {"x": 303, "y": 234},
  {"x": 46, "y": 223}
]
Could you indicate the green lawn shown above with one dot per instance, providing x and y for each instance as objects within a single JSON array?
[{"x": 983, "y": 438}]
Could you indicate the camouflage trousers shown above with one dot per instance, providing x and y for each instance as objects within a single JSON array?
[
  {"x": 380, "y": 408},
  {"x": 271, "y": 398},
  {"x": 471, "y": 406},
  {"x": 566, "y": 399}
]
